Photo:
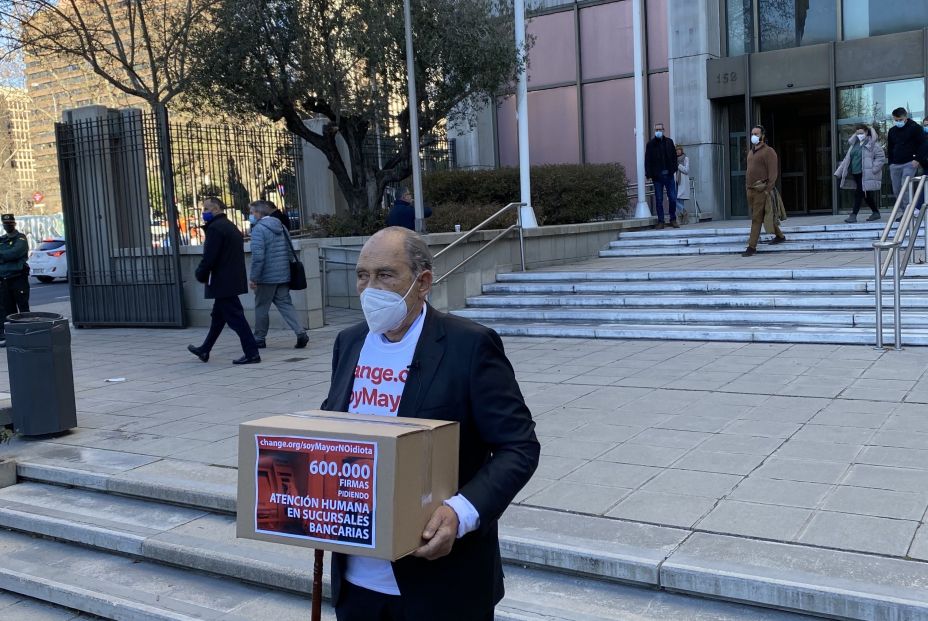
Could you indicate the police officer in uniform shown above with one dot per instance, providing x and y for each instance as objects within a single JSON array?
[{"x": 14, "y": 272}]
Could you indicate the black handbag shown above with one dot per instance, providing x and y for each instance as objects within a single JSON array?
[{"x": 297, "y": 271}]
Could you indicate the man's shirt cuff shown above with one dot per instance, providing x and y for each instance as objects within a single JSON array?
[{"x": 468, "y": 518}]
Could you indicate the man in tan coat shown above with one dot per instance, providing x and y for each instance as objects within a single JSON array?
[{"x": 761, "y": 176}]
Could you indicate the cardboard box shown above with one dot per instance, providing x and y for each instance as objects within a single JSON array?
[{"x": 351, "y": 483}]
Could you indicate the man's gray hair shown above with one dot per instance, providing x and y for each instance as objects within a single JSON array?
[
  {"x": 417, "y": 251},
  {"x": 264, "y": 208}
]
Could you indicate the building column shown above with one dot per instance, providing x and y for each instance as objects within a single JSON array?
[{"x": 694, "y": 31}]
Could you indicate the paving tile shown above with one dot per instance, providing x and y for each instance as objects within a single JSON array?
[
  {"x": 802, "y": 470},
  {"x": 664, "y": 509},
  {"x": 741, "y": 443},
  {"x": 894, "y": 456},
  {"x": 902, "y": 439},
  {"x": 644, "y": 455},
  {"x": 672, "y": 438},
  {"x": 919, "y": 549},
  {"x": 579, "y": 497},
  {"x": 780, "y": 492},
  {"x": 834, "y": 434},
  {"x": 888, "y": 478},
  {"x": 770, "y": 429},
  {"x": 598, "y": 432},
  {"x": 755, "y": 520},
  {"x": 877, "y": 502},
  {"x": 708, "y": 484},
  {"x": 826, "y": 451},
  {"x": 568, "y": 447},
  {"x": 713, "y": 461},
  {"x": 685, "y": 422},
  {"x": 553, "y": 467},
  {"x": 613, "y": 474},
  {"x": 534, "y": 485},
  {"x": 861, "y": 533}
]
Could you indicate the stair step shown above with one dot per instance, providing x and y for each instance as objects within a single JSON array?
[
  {"x": 874, "y": 228},
  {"x": 711, "y": 249},
  {"x": 863, "y": 302},
  {"x": 698, "y": 286},
  {"x": 677, "y": 332},
  {"x": 864, "y": 237},
  {"x": 748, "y": 274}
]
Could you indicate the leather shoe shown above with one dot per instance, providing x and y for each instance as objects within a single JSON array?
[
  {"x": 777, "y": 240},
  {"x": 262, "y": 344},
  {"x": 674, "y": 224},
  {"x": 749, "y": 252},
  {"x": 660, "y": 226},
  {"x": 247, "y": 360},
  {"x": 302, "y": 341},
  {"x": 873, "y": 217},
  {"x": 199, "y": 352}
]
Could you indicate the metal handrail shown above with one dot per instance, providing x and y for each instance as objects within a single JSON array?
[
  {"x": 908, "y": 227},
  {"x": 324, "y": 263},
  {"x": 468, "y": 234}
]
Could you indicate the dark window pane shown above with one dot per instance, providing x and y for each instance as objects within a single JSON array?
[
  {"x": 657, "y": 34},
  {"x": 507, "y": 131},
  {"x": 553, "y": 126},
  {"x": 740, "y": 27},
  {"x": 609, "y": 123},
  {"x": 606, "y": 40},
  {"x": 867, "y": 18},
  {"x": 553, "y": 58},
  {"x": 659, "y": 102},
  {"x": 791, "y": 23}
]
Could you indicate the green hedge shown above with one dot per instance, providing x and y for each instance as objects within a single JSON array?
[{"x": 561, "y": 194}]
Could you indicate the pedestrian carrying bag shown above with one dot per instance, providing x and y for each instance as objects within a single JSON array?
[{"x": 297, "y": 271}]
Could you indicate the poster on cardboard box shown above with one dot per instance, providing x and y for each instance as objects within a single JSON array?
[{"x": 318, "y": 489}]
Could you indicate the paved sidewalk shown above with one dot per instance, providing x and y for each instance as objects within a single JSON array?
[{"x": 819, "y": 445}]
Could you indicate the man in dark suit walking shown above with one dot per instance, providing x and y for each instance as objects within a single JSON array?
[
  {"x": 447, "y": 368},
  {"x": 222, "y": 269}
]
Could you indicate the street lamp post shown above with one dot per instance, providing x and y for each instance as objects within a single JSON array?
[
  {"x": 525, "y": 184},
  {"x": 641, "y": 207},
  {"x": 413, "y": 122}
]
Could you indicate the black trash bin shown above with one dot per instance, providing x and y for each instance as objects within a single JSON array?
[{"x": 38, "y": 352}]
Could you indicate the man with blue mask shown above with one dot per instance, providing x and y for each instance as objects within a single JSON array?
[
  {"x": 222, "y": 270},
  {"x": 660, "y": 166},
  {"x": 902, "y": 144},
  {"x": 408, "y": 359},
  {"x": 271, "y": 253}
]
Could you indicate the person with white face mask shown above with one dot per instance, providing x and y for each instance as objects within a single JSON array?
[
  {"x": 761, "y": 178},
  {"x": 408, "y": 359},
  {"x": 862, "y": 170}
]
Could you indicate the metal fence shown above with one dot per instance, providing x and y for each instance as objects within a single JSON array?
[{"x": 238, "y": 164}]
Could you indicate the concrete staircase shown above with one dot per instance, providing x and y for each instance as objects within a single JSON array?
[
  {"x": 699, "y": 240},
  {"x": 164, "y": 549},
  {"x": 742, "y": 302},
  {"x": 85, "y": 530}
]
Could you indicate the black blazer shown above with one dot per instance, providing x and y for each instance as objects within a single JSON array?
[
  {"x": 224, "y": 259},
  {"x": 659, "y": 154},
  {"x": 459, "y": 372}
]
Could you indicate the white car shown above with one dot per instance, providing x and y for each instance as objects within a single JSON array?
[{"x": 48, "y": 261}]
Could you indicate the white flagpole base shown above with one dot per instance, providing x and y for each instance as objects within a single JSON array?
[{"x": 642, "y": 210}]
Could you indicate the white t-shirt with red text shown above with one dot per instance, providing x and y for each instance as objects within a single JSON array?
[{"x": 379, "y": 380}]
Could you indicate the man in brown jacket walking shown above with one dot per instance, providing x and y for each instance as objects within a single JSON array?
[{"x": 761, "y": 176}]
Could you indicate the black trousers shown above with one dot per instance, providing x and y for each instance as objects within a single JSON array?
[
  {"x": 229, "y": 311},
  {"x": 360, "y": 604},
  {"x": 14, "y": 297},
  {"x": 860, "y": 195}
]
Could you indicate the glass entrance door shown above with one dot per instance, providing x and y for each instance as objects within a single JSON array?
[{"x": 799, "y": 129}]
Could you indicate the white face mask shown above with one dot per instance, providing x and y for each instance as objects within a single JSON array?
[
  {"x": 755, "y": 139},
  {"x": 861, "y": 137},
  {"x": 384, "y": 311}
]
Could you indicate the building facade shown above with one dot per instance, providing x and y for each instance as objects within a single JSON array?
[
  {"x": 808, "y": 70},
  {"x": 17, "y": 164}
]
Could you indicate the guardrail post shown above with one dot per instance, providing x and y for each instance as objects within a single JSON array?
[
  {"x": 878, "y": 294},
  {"x": 897, "y": 301}
]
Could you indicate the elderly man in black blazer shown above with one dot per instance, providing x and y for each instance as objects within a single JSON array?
[
  {"x": 448, "y": 368},
  {"x": 222, "y": 270}
]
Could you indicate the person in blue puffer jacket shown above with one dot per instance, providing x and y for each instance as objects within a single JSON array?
[{"x": 271, "y": 253}]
